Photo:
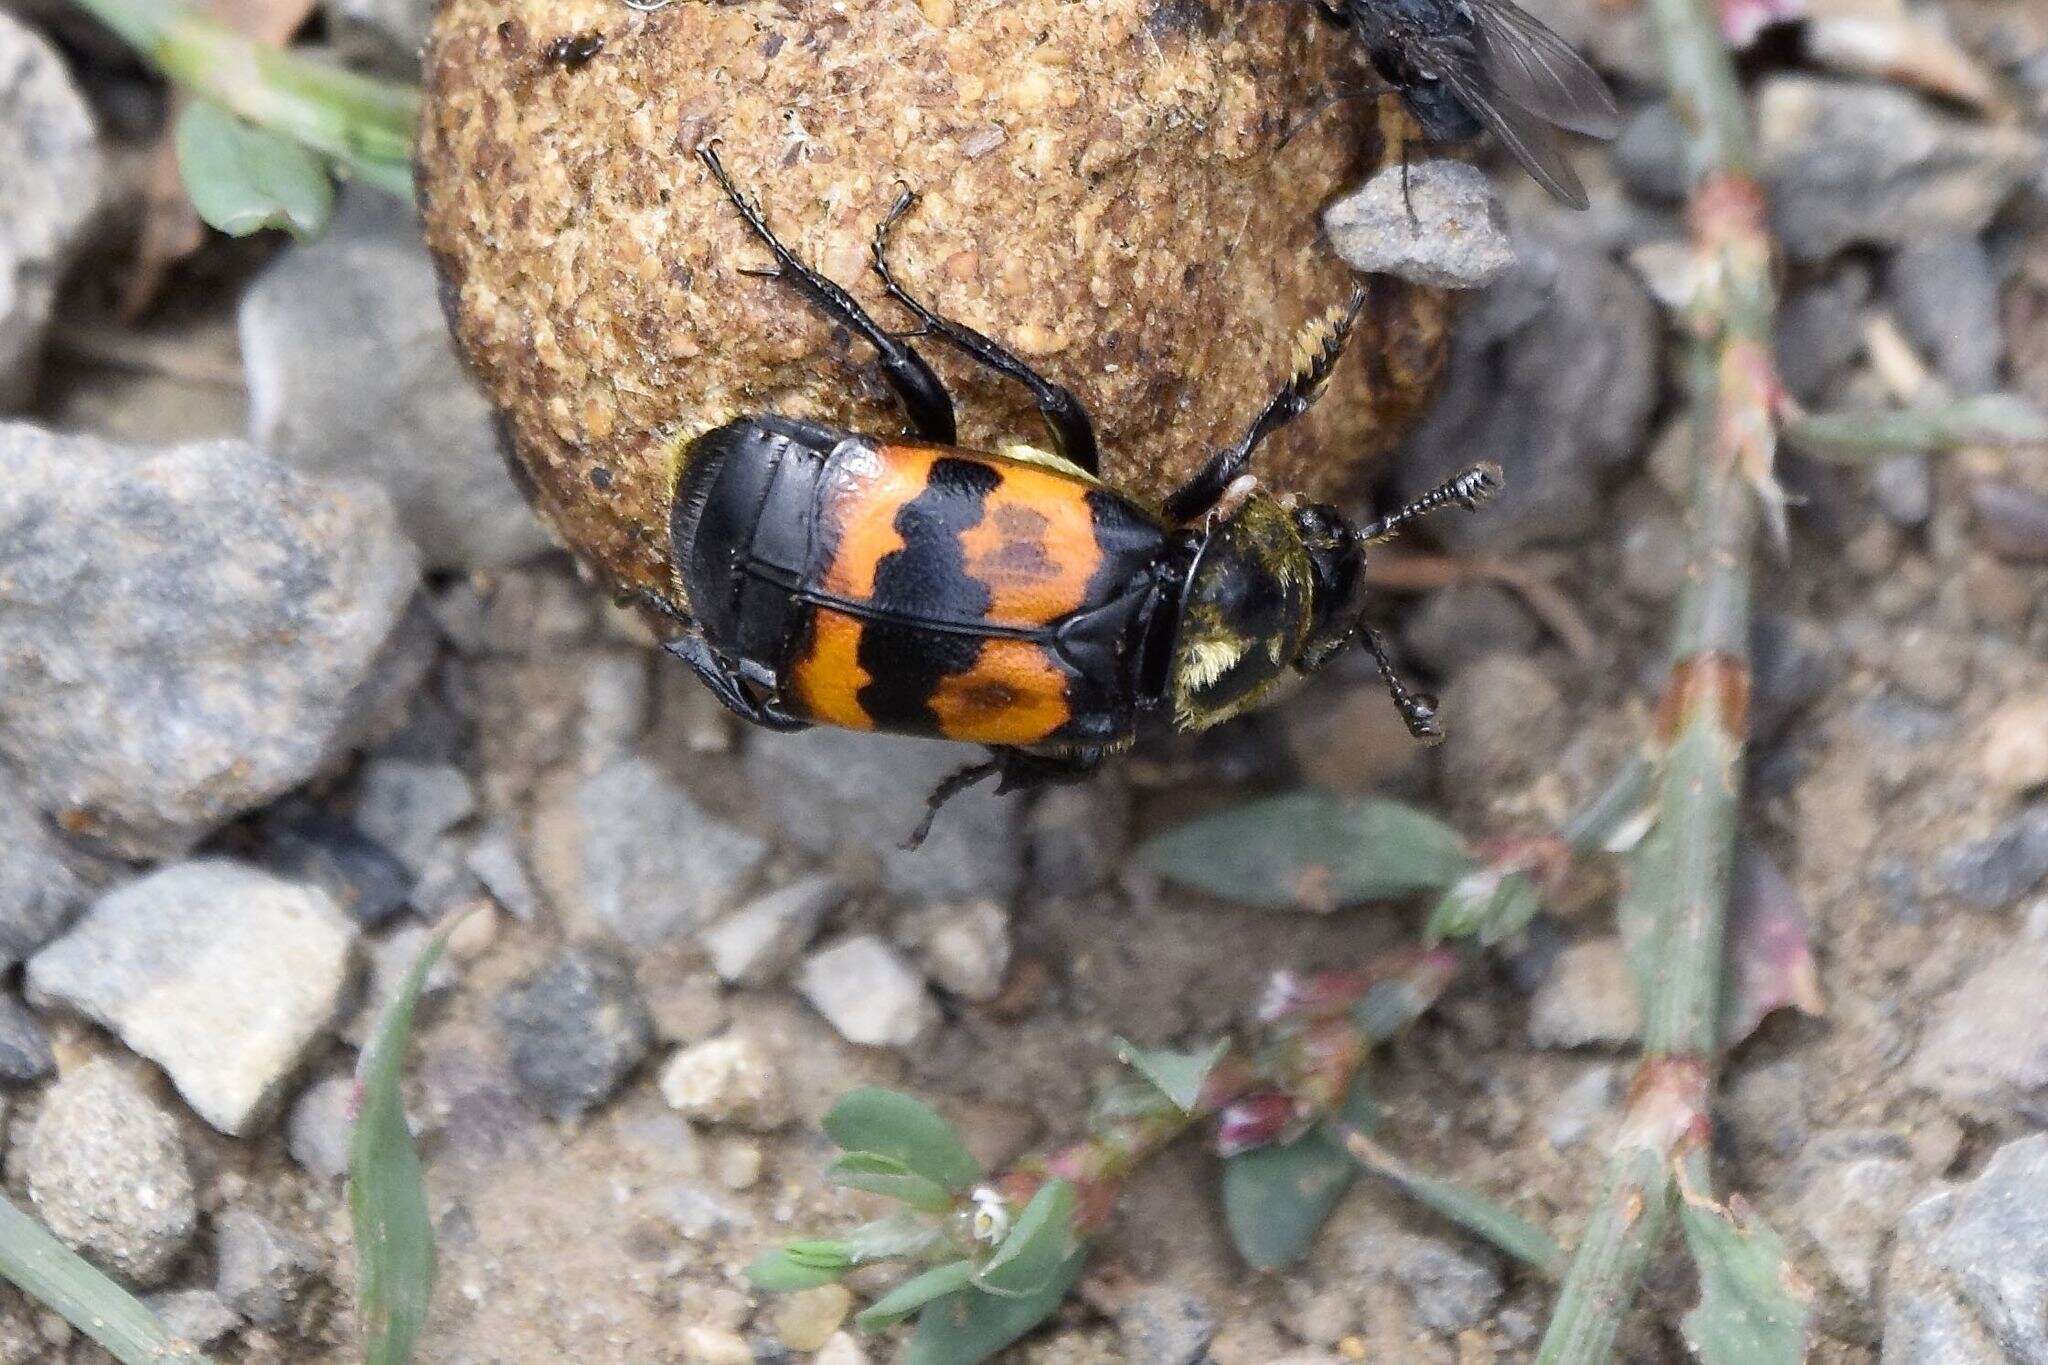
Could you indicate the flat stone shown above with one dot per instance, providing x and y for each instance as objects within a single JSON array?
[
  {"x": 106, "y": 1169},
  {"x": 867, "y": 992},
  {"x": 352, "y": 374},
  {"x": 189, "y": 633},
  {"x": 262, "y": 1269},
  {"x": 756, "y": 943},
  {"x": 224, "y": 976},
  {"x": 574, "y": 1029},
  {"x": 50, "y": 173},
  {"x": 655, "y": 864},
  {"x": 1436, "y": 223}
]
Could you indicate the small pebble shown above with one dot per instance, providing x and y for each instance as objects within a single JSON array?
[
  {"x": 2012, "y": 522},
  {"x": 262, "y": 1269},
  {"x": 740, "y": 1164},
  {"x": 1931, "y": 664},
  {"x": 2012, "y": 748},
  {"x": 575, "y": 1028},
  {"x": 756, "y": 943},
  {"x": 806, "y": 1320},
  {"x": 705, "y": 1345},
  {"x": 1590, "y": 997},
  {"x": 197, "y": 1316},
  {"x": 1463, "y": 242},
  {"x": 966, "y": 948},
  {"x": 24, "y": 1044},
  {"x": 727, "y": 1080},
  {"x": 867, "y": 992},
  {"x": 318, "y": 1125},
  {"x": 843, "y": 1348}
]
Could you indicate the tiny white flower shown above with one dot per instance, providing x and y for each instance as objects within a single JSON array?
[{"x": 991, "y": 1216}]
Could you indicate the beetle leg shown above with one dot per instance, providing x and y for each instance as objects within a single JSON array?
[
  {"x": 916, "y": 384},
  {"x": 1321, "y": 343},
  {"x": 1062, "y": 411},
  {"x": 1467, "y": 490},
  {"x": 1014, "y": 770},
  {"x": 727, "y": 687},
  {"x": 1418, "y": 709}
]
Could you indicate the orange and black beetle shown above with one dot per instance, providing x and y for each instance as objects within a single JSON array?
[{"x": 911, "y": 586}]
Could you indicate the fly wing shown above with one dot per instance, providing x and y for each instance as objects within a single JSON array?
[
  {"x": 1520, "y": 130},
  {"x": 1538, "y": 70}
]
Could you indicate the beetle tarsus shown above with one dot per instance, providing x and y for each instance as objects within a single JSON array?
[
  {"x": 1418, "y": 709},
  {"x": 1467, "y": 489}
]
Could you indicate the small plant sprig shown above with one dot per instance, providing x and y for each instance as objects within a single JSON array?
[{"x": 266, "y": 133}]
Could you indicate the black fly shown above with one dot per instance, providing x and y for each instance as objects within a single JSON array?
[{"x": 1464, "y": 67}]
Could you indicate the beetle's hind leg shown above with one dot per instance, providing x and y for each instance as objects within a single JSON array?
[
  {"x": 1014, "y": 770},
  {"x": 916, "y": 384},
  {"x": 1062, "y": 411}
]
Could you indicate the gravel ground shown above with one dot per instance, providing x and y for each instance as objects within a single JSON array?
[{"x": 288, "y": 674}]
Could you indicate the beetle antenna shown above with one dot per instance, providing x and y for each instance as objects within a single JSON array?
[
  {"x": 1418, "y": 709},
  {"x": 944, "y": 792},
  {"x": 1467, "y": 490}
]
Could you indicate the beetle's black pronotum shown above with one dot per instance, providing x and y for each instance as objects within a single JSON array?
[{"x": 909, "y": 585}]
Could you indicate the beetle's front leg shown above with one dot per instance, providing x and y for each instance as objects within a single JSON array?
[
  {"x": 727, "y": 687},
  {"x": 1015, "y": 770}
]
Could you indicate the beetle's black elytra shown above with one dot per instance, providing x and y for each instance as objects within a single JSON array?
[{"x": 825, "y": 577}]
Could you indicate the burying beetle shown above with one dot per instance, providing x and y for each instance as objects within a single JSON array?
[
  {"x": 1465, "y": 67},
  {"x": 910, "y": 586}
]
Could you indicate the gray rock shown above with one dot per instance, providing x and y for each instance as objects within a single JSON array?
[
  {"x": 1452, "y": 1285},
  {"x": 407, "y": 806},
  {"x": 317, "y": 1128},
  {"x": 574, "y": 1029},
  {"x": 617, "y": 693},
  {"x": 391, "y": 958},
  {"x": 1849, "y": 163},
  {"x": 222, "y": 975},
  {"x": 1820, "y": 329},
  {"x": 189, "y": 633},
  {"x": 1945, "y": 294},
  {"x": 1165, "y": 1324},
  {"x": 351, "y": 373},
  {"x": 501, "y": 868},
  {"x": 50, "y": 171},
  {"x": 40, "y": 888},
  {"x": 1553, "y": 373},
  {"x": 1462, "y": 238},
  {"x": 1079, "y": 835},
  {"x": 262, "y": 1269},
  {"x": 1589, "y": 997},
  {"x": 1765, "y": 1108},
  {"x": 1903, "y": 487},
  {"x": 655, "y": 864},
  {"x": 367, "y": 881},
  {"x": 106, "y": 1169},
  {"x": 1969, "y": 1277},
  {"x": 1457, "y": 625},
  {"x": 24, "y": 1045},
  {"x": 837, "y": 789},
  {"x": 756, "y": 943},
  {"x": 198, "y": 1317},
  {"x": 1649, "y": 154},
  {"x": 1995, "y": 871},
  {"x": 1577, "y": 1108},
  {"x": 1848, "y": 1209},
  {"x": 1986, "y": 1047},
  {"x": 867, "y": 992}
]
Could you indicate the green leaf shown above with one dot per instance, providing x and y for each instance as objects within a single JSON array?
[
  {"x": 1469, "y": 1209},
  {"x": 780, "y": 1272},
  {"x": 1178, "y": 1075},
  {"x": 1039, "y": 1243},
  {"x": 1311, "y": 850},
  {"x": 1276, "y": 1199},
  {"x": 243, "y": 179},
  {"x": 890, "y": 1178},
  {"x": 969, "y": 1327},
  {"x": 914, "y": 1293},
  {"x": 1753, "y": 1309},
  {"x": 50, "y": 1273},
  {"x": 905, "y": 1130},
  {"x": 900, "y": 1234},
  {"x": 1484, "y": 904},
  {"x": 387, "y": 1195}
]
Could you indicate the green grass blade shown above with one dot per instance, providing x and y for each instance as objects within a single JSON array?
[
  {"x": 1503, "y": 1227},
  {"x": 53, "y": 1275},
  {"x": 387, "y": 1196}
]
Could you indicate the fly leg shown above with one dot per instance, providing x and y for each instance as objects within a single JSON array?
[
  {"x": 1320, "y": 346},
  {"x": 915, "y": 383},
  {"x": 1062, "y": 411}
]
